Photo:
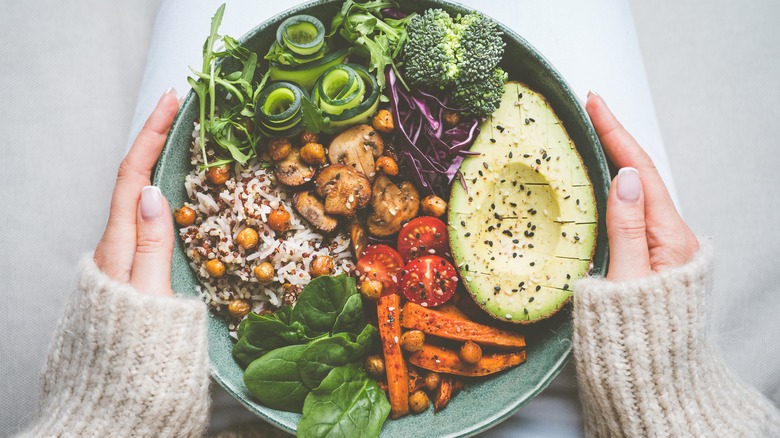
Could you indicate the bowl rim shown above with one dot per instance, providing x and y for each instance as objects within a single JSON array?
[{"x": 495, "y": 417}]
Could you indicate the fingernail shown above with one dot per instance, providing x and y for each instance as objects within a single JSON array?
[
  {"x": 592, "y": 93},
  {"x": 629, "y": 186},
  {"x": 151, "y": 203},
  {"x": 170, "y": 91}
]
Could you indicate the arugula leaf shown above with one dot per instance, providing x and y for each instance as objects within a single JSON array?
[
  {"x": 313, "y": 118},
  {"x": 347, "y": 403}
]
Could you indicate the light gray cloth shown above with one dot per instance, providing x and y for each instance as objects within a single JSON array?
[{"x": 72, "y": 73}]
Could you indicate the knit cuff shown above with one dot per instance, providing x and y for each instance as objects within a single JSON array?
[
  {"x": 645, "y": 362},
  {"x": 124, "y": 361}
]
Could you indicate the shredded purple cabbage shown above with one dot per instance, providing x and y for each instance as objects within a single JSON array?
[
  {"x": 431, "y": 154},
  {"x": 393, "y": 13}
]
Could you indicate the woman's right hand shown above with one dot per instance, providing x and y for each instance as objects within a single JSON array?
[{"x": 646, "y": 233}]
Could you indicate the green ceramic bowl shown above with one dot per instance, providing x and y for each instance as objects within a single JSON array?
[{"x": 483, "y": 403}]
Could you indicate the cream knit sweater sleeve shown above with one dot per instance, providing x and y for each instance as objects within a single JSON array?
[
  {"x": 125, "y": 364},
  {"x": 647, "y": 365}
]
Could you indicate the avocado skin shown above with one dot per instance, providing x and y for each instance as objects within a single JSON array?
[{"x": 524, "y": 230}]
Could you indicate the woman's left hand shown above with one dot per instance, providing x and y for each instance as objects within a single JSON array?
[{"x": 137, "y": 244}]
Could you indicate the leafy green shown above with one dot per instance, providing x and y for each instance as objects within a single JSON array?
[
  {"x": 313, "y": 117},
  {"x": 259, "y": 335},
  {"x": 321, "y": 302},
  {"x": 273, "y": 379},
  {"x": 323, "y": 355},
  {"x": 347, "y": 403},
  {"x": 352, "y": 318},
  {"x": 380, "y": 39},
  {"x": 226, "y": 100}
]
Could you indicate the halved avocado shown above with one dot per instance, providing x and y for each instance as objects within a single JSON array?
[{"x": 525, "y": 228}]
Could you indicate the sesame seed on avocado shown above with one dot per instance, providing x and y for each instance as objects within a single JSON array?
[{"x": 526, "y": 229}]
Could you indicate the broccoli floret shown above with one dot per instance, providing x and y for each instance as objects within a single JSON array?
[
  {"x": 481, "y": 97},
  {"x": 480, "y": 49},
  {"x": 459, "y": 55},
  {"x": 429, "y": 54}
]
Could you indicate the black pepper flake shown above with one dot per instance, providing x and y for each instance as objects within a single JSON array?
[
  {"x": 538, "y": 288},
  {"x": 437, "y": 235},
  {"x": 492, "y": 140},
  {"x": 371, "y": 134}
]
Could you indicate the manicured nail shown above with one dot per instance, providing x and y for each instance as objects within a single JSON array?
[
  {"x": 170, "y": 91},
  {"x": 629, "y": 186},
  {"x": 592, "y": 93},
  {"x": 151, "y": 203}
]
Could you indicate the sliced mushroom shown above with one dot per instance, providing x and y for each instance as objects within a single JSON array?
[
  {"x": 393, "y": 205},
  {"x": 292, "y": 171},
  {"x": 312, "y": 209},
  {"x": 345, "y": 189},
  {"x": 357, "y": 233},
  {"x": 357, "y": 147}
]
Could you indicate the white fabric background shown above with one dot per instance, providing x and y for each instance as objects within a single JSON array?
[{"x": 73, "y": 70}]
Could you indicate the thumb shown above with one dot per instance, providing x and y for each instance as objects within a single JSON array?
[
  {"x": 629, "y": 257},
  {"x": 151, "y": 273}
]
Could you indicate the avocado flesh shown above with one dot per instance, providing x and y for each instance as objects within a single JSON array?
[{"x": 529, "y": 212}]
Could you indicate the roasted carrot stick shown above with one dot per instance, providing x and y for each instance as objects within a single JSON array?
[
  {"x": 449, "y": 326},
  {"x": 388, "y": 312},
  {"x": 443, "y": 394},
  {"x": 443, "y": 360}
]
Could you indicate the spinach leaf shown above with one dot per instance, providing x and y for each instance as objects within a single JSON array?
[
  {"x": 352, "y": 318},
  {"x": 260, "y": 334},
  {"x": 347, "y": 403},
  {"x": 321, "y": 302},
  {"x": 273, "y": 379},
  {"x": 321, "y": 356}
]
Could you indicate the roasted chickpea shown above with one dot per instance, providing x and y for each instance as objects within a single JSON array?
[
  {"x": 470, "y": 353},
  {"x": 412, "y": 340},
  {"x": 383, "y": 121},
  {"x": 279, "y": 220},
  {"x": 265, "y": 312},
  {"x": 321, "y": 265},
  {"x": 309, "y": 137},
  {"x": 279, "y": 149},
  {"x": 451, "y": 118},
  {"x": 215, "y": 268},
  {"x": 238, "y": 308},
  {"x": 433, "y": 205},
  {"x": 264, "y": 272},
  {"x": 184, "y": 216},
  {"x": 375, "y": 366},
  {"x": 247, "y": 238},
  {"x": 387, "y": 165},
  {"x": 313, "y": 153},
  {"x": 218, "y": 174},
  {"x": 432, "y": 380},
  {"x": 371, "y": 289},
  {"x": 418, "y": 401}
]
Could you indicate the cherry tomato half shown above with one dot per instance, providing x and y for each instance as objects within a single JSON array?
[
  {"x": 424, "y": 235},
  {"x": 429, "y": 281},
  {"x": 381, "y": 263}
]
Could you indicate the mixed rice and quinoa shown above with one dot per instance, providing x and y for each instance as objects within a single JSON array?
[{"x": 246, "y": 200}]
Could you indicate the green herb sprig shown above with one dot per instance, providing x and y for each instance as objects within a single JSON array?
[{"x": 227, "y": 99}]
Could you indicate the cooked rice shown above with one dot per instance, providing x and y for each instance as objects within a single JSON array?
[{"x": 245, "y": 200}]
